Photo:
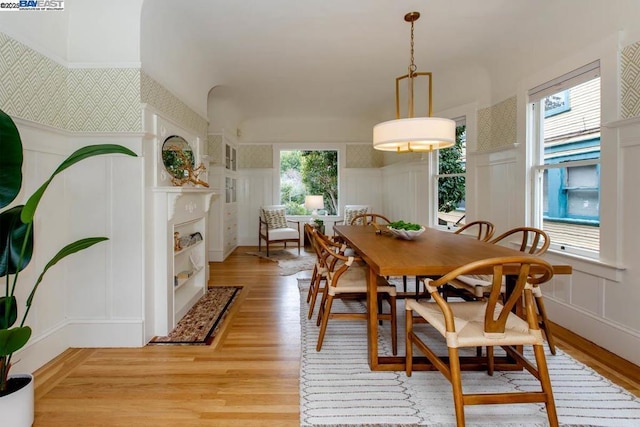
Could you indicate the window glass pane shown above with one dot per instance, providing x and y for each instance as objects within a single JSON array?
[
  {"x": 453, "y": 159},
  {"x": 582, "y": 176},
  {"x": 582, "y": 203},
  {"x": 451, "y": 200},
  {"x": 571, "y": 194},
  {"x": 308, "y": 172}
]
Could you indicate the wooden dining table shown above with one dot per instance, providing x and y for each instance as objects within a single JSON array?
[{"x": 433, "y": 253}]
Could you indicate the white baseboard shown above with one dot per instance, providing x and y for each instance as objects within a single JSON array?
[
  {"x": 78, "y": 334},
  {"x": 216, "y": 256},
  {"x": 615, "y": 338}
]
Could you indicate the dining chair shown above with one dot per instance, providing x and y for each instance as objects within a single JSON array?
[
  {"x": 347, "y": 279},
  {"x": 482, "y": 230},
  {"x": 369, "y": 218},
  {"x": 320, "y": 269},
  {"x": 529, "y": 240},
  {"x": 488, "y": 323}
]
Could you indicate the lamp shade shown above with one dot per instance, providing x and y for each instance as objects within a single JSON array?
[
  {"x": 314, "y": 202},
  {"x": 414, "y": 134}
]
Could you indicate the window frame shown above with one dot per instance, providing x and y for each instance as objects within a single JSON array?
[
  {"x": 536, "y": 115},
  {"x": 436, "y": 176},
  {"x": 278, "y": 148}
]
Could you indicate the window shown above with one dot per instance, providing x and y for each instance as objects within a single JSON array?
[
  {"x": 566, "y": 159},
  {"x": 308, "y": 172},
  {"x": 451, "y": 179}
]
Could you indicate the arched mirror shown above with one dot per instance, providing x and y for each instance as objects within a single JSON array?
[{"x": 177, "y": 156}]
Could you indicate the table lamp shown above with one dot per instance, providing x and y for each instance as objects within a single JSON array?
[{"x": 313, "y": 203}]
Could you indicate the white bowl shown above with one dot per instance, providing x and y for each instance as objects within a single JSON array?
[{"x": 406, "y": 234}]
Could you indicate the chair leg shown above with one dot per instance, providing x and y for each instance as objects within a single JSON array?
[
  {"x": 323, "y": 303},
  {"x": 394, "y": 325},
  {"x": 545, "y": 383},
  {"x": 317, "y": 289},
  {"x": 408, "y": 344},
  {"x": 325, "y": 320},
  {"x": 490, "y": 360},
  {"x": 311, "y": 285},
  {"x": 546, "y": 325},
  {"x": 456, "y": 384}
]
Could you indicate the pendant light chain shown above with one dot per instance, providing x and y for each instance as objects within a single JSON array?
[{"x": 412, "y": 66}]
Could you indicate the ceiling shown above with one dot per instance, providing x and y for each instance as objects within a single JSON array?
[{"x": 339, "y": 58}]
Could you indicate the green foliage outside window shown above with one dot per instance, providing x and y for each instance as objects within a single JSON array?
[
  {"x": 308, "y": 173},
  {"x": 451, "y": 190}
]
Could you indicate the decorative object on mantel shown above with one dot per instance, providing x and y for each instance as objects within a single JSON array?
[
  {"x": 410, "y": 134},
  {"x": 199, "y": 325},
  {"x": 16, "y": 250},
  {"x": 346, "y": 392},
  {"x": 179, "y": 160}
]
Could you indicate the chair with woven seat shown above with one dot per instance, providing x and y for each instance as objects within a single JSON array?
[
  {"x": 347, "y": 279},
  {"x": 274, "y": 227},
  {"x": 529, "y": 240},
  {"x": 482, "y": 230},
  {"x": 487, "y": 323},
  {"x": 369, "y": 218},
  {"x": 320, "y": 269}
]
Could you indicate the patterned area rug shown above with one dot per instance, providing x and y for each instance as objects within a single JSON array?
[
  {"x": 199, "y": 325},
  {"x": 337, "y": 387},
  {"x": 288, "y": 260}
]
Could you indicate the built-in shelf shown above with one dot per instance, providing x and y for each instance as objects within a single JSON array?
[{"x": 181, "y": 213}]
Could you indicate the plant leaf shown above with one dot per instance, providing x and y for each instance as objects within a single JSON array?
[
  {"x": 75, "y": 157},
  {"x": 12, "y": 236},
  {"x": 8, "y": 312},
  {"x": 71, "y": 248},
  {"x": 13, "y": 339},
  {"x": 10, "y": 161}
]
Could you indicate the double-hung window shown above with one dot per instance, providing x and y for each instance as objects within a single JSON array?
[
  {"x": 451, "y": 179},
  {"x": 565, "y": 141}
]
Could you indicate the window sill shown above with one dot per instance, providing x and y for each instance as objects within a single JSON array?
[{"x": 592, "y": 266}]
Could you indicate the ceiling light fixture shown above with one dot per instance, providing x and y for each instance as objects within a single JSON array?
[{"x": 409, "y": 134}]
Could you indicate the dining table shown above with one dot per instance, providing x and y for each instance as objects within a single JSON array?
[{"x": 433, "y": 253}]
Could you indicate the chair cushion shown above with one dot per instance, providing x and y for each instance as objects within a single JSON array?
[
  {"x": 349, "y": 214},
  {"x": 469, "y": 325},
  {"x": 275, "y": 218},
  {"x": 283, "y": 233}
]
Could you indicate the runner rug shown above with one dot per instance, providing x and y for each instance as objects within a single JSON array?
[
  {"x": 337, "y": 388},
  {"x": 200, "y": 324}
]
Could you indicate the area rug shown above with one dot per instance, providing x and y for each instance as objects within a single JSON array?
[
  {"x": 338, "y": 388},
  {"x": 288, "y": 260},
  {"x": 199, "y": 325}
]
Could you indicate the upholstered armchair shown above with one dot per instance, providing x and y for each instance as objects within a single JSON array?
[
  {"x": 351, "y": 211},
  {"x": 274, "y": 227}
]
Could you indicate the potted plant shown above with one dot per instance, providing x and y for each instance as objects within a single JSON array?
[
  {"x": 16, "y": 248},
  {"x": 319, "y": 224}
]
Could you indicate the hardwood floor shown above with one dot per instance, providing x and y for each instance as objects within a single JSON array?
[{"x": 247, "y": 377}]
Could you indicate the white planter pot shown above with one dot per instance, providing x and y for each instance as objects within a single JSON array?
[{"x": 17, "y": 408}]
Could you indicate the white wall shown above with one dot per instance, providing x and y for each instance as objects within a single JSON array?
[
  {"x": 95, "y": 297},
  {"x": 599, "y": 300}
]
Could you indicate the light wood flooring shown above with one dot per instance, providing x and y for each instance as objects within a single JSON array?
[{"x": 247, "y": 377}]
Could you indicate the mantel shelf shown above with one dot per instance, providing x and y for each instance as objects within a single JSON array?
[{"x": 175, "y": 193}]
